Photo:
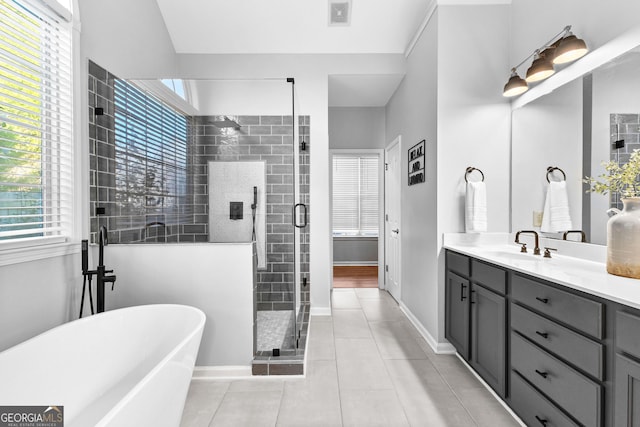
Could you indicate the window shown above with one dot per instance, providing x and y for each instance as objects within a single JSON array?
[
  {"x": 355, "y": 195},
  {"x": 151, "y": 158},
  {"x": 36, "y": 148},
  {"x": 176, "y": 85}
]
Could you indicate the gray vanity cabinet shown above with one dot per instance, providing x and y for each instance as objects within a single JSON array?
[
  {"x": 557, "y": 356},
  {"x": 488, "y": 336},
  {"x": 457, "y": 313},
  {"x": 475, "y": 316},
  {"x": 627, "y": 369}
]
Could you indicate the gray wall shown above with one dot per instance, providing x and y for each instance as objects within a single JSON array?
[
  {"x": 355, "y": 251},
  {"x": 412, "y": 113},
  {"x": 356, "y": 127}
]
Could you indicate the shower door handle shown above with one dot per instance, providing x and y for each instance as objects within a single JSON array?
[{"x": 295, "y": 216}]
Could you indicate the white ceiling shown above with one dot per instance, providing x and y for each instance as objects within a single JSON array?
[
  {"x": 290, "y": 26},
  {"x": 300, "y": 27},
  {"x": 372, "y": 90}
]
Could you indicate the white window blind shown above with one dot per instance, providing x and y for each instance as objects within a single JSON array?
[
  {"x": 355, "y": 195},
  {"x": 35, "y": 122},
  {"x": 151, "y": 156}
]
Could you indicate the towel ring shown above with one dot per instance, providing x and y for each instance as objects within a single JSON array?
[
  {"x": 471, "y": 169},
  {"x": 550, "y": 169}
]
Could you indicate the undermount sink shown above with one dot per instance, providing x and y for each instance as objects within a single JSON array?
[{"x": 514, "y": 256}]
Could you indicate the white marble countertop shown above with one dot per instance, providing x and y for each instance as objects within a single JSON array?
[{"x": 584, "y": 270}]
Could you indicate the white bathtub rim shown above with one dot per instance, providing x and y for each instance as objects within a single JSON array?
[
  {"x": 104, "y": 314},
  {"x": 197, "y": 329},
  {"x": 143, "y": 382}
]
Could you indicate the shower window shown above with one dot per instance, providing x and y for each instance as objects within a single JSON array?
[
  {"x": 150, "y": 158},
  {"x": 355, "y": 195}
]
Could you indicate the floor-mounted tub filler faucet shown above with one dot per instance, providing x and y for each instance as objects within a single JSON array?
[
  {"x": 103, "y": 275},
  {"x": 536, "y": 250}
]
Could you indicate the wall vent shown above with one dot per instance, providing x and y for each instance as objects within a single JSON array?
[{"x": 339, "y": 12}]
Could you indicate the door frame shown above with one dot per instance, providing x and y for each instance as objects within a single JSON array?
[
  {"x": 396, "y": 141},
  {"x": 381, "y": 206}
]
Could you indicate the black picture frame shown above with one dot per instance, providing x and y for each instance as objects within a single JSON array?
[{"x": 416, "y": 166}]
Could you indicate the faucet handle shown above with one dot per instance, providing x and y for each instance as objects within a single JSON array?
[
  {"x": 523, "y": 248},
  {"x": 547, "y": 254}
]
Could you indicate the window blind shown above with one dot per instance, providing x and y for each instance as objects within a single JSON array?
[
  {"x": 151, "y": 156},
  {"x": 355, "y": 195},
  {"x": 36, "y": 149}
]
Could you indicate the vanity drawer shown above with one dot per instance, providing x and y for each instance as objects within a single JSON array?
[
  {"x": 533, "y": 408},
  {"x": 575, "y": 393},
  {"x": 581, "y": 313},
  {"x": 584, "y": 353},
  {"x": 489, "y": 276},
  {"x": 628, "y": 333},
  {"x": 458, "y": 263}
]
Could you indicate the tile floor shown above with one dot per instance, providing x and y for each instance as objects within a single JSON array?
[{"x": 367, "y": 366}]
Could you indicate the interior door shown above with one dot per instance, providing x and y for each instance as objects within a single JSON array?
[{"x": 392, "y": 231}]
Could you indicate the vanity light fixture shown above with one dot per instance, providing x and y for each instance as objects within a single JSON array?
[
  {"x": 516, "y": 85},
  {"x": 570, "y": 49},
  {"x": 540, "y": 69},
  {"x": 562, "y": 48}
]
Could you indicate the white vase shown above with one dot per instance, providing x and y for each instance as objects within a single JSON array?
[{"x": 623, "y": 240}]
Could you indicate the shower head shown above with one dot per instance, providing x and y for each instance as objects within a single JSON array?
[{"x": 226, "y": 122}]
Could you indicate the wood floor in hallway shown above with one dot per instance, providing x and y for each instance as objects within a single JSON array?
[{"x": 355, "y": 276}]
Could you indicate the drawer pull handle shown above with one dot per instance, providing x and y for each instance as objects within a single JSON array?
[
  {"x": 543, "y": 334},
  {"x": 542, "y": 374},
  {"x": 543, "y": 300},
  {"x": 462, "y": 295},
  {"x": 471, "y": 297},
  {"x": 542, "y": 421}
]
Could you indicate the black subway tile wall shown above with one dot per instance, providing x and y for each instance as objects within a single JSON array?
[{"x": 266, "y": 138}]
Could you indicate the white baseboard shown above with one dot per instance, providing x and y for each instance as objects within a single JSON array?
[
  {"x": 320, "y": 311},
  {"x": 438, "y": 348},
  {"x": 221, "y": 372}
]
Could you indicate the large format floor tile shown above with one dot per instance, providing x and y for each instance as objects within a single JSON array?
[{"x": 366, "y": 366}]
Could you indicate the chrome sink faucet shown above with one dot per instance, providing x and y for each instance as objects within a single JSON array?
[{"x": 536, "y": 250}]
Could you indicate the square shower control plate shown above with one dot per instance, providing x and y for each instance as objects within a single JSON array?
[{"x": 235, "y": 210}]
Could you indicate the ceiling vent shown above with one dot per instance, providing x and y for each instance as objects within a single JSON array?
[{"x": 339, "y": 12}]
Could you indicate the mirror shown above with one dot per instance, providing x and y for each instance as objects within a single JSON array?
[
  {"x": 572, "y": 121},
  {"x": 615, "y": 117}
]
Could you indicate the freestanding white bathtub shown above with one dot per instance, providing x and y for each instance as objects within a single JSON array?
[{"x": 127, "y": 367}]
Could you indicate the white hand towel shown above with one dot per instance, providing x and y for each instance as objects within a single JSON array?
[
  {"x": 556, "y": 215},
  {"x": 476, "y": 207}
]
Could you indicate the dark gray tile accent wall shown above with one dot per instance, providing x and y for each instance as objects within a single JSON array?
[
  {"x": 267, "y": 138},
  {"x": 133, "y": 222},
  {"x": 101, "y": 150},
  {"x": 623, "y": 127}
]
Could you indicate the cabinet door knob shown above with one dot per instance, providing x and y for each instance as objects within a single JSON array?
[
  {"x": 542, "y": 421},
  {"x": 543, "y": 300},
  {"x": 543, "y": 334},
  {"x": 542, "y": 374}
]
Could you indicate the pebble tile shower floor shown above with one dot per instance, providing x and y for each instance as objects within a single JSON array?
[
  {"x": 275, "y": 330},
  {"x": 366, "y": 366}
]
